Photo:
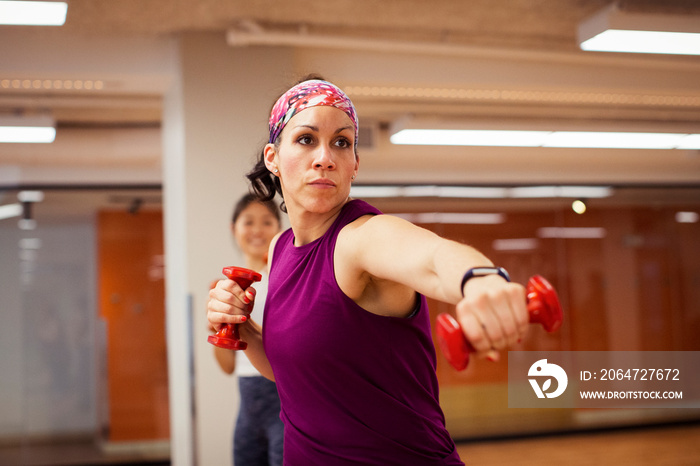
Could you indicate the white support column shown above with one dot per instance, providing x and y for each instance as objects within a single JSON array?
[
  {"x": 178, "y": 331},
  {"x": 215, "y": 124}
]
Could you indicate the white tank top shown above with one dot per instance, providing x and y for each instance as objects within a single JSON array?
[{"x": 244, "y": 368}]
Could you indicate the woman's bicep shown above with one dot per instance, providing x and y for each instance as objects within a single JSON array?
[
  {"x": 390, "y": 248},
  {"x": 394, "y": 249}
]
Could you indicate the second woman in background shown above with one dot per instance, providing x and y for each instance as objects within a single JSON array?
[{"x": 259, "y": 432}]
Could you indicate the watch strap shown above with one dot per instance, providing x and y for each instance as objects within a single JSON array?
[{"x": 481, "y": 272}]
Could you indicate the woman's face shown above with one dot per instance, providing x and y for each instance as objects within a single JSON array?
[
  {"x": 254, "y": 229},
  {"x": 316, "y": 159}
]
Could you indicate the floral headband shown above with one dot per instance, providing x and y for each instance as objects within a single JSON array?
[{"x": 305, "y": 95}]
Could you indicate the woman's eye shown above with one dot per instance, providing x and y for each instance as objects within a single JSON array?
[
  {"x": 306, "y": 139},
  {"x": 342, "y": 142}
]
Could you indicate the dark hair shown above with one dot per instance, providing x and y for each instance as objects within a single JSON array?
[
  {"x": 250, "y": 198},
  {"x": 264, "y": 184}
]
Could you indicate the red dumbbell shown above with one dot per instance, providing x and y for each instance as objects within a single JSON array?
[
  {"x": 542, "y": 306},
  {"x": 227, "y": 336}
]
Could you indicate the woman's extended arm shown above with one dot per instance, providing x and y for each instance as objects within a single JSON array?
[{"x": 384, "y": 250}]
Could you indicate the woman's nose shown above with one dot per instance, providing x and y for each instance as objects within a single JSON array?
[{"x": 324, "y": 159}]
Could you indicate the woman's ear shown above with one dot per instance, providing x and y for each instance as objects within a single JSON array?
[
  {"x": 270, "y": 154},
  {"x": 357, "y": 165}
]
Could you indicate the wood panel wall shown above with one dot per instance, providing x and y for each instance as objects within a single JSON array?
[{"x": 132, "y": 302}]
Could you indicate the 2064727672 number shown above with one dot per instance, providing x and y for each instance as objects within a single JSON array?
[{"x": 639, "y": 374}]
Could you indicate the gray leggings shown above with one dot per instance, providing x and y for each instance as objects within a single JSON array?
[{"x": 259, "y": 431}]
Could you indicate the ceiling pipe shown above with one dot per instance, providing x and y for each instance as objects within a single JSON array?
[{"x": 250, "y": 33}]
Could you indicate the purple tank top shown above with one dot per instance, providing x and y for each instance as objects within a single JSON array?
[{"x": 355, "y": 387}]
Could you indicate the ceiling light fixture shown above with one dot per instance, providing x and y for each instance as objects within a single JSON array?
[
  {"x": 454, "y": 218},
  {"x": 687, "y": 217},
  {"x": 560, "y": 133},
  {"x": 515, "y": 244},
  {"x": 30, "y": 196},
  {"x": 467, "y": 192},
  {"x": 559, "y": 139},
  {"x": 532, "y": 192},
  {"x": 10, "y": 210},
  {"x": 481, "y": 192},
  {"x": 28, "y": 199},
  {"x": 41, "y": 85},
  {"x": 27, "y": 129},
  {"x": 614, "y": 30},
  {"x": 579, "y": 206},
  {"x": 571, "y": 232},
  {"x": 28, "y": 13}
]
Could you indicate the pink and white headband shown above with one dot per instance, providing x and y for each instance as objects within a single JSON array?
[{"x": 307, "y": 94}]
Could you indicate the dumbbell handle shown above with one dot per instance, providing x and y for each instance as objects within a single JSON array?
[
  {"x": 227, "y": 336},
  {"x": 543, "y": 307}
]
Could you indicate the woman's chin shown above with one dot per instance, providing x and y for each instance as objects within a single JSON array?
[{"x": 324, "y": 204}]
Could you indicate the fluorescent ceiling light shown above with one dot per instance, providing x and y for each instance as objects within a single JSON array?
[
  {"x": 10, "y": 210},
  {"x": 30, "y": 196},
  {"x": 614, "y": 30},
  {"x": 687, "y": 217},
  {"x": 27, "y": 134},
  {"x": 690, "y": 141},
  {"x": 478, "y": 192},
  {"x": 454, "y": 218},
  {"x": 20, "y": 13},
  {"x": 429, "y": 191},
  {"x": 421, "y": 191},
  {"x": 454, "y": 192},
  {"x": 27, "y": 129},
  {"x": 376, "y": 191},
  {"x": 613, "y": 140},
  {"x": 29, "y": 243},
  {"x": 561, "y": 139},
  {"x": 453, "y": 137},
  {"x": 515, "y": 244},
  {"x": 473, "y": 192},
  {"x": 561, "y": 191},
  {"x": 615, "y": 40},
  {"x": 26, "y": 224},
  {"x": 571, "y": 232}
]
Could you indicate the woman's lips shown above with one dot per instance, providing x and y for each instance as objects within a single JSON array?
[{"x": 322, "y": 183}]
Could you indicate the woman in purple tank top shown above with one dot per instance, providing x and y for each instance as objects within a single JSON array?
[{"x": 346, "y": 332}]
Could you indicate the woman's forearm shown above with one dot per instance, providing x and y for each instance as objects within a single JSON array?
[
  {"x": 226, "y": 359},
  {"x": 251, "y": 333},
  {"x": 450, "y": 262}
]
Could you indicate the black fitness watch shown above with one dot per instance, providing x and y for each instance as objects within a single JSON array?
[{"x": 481, "y": 272}]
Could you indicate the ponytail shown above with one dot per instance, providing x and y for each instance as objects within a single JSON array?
[{"x": 264, "y": 184}]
